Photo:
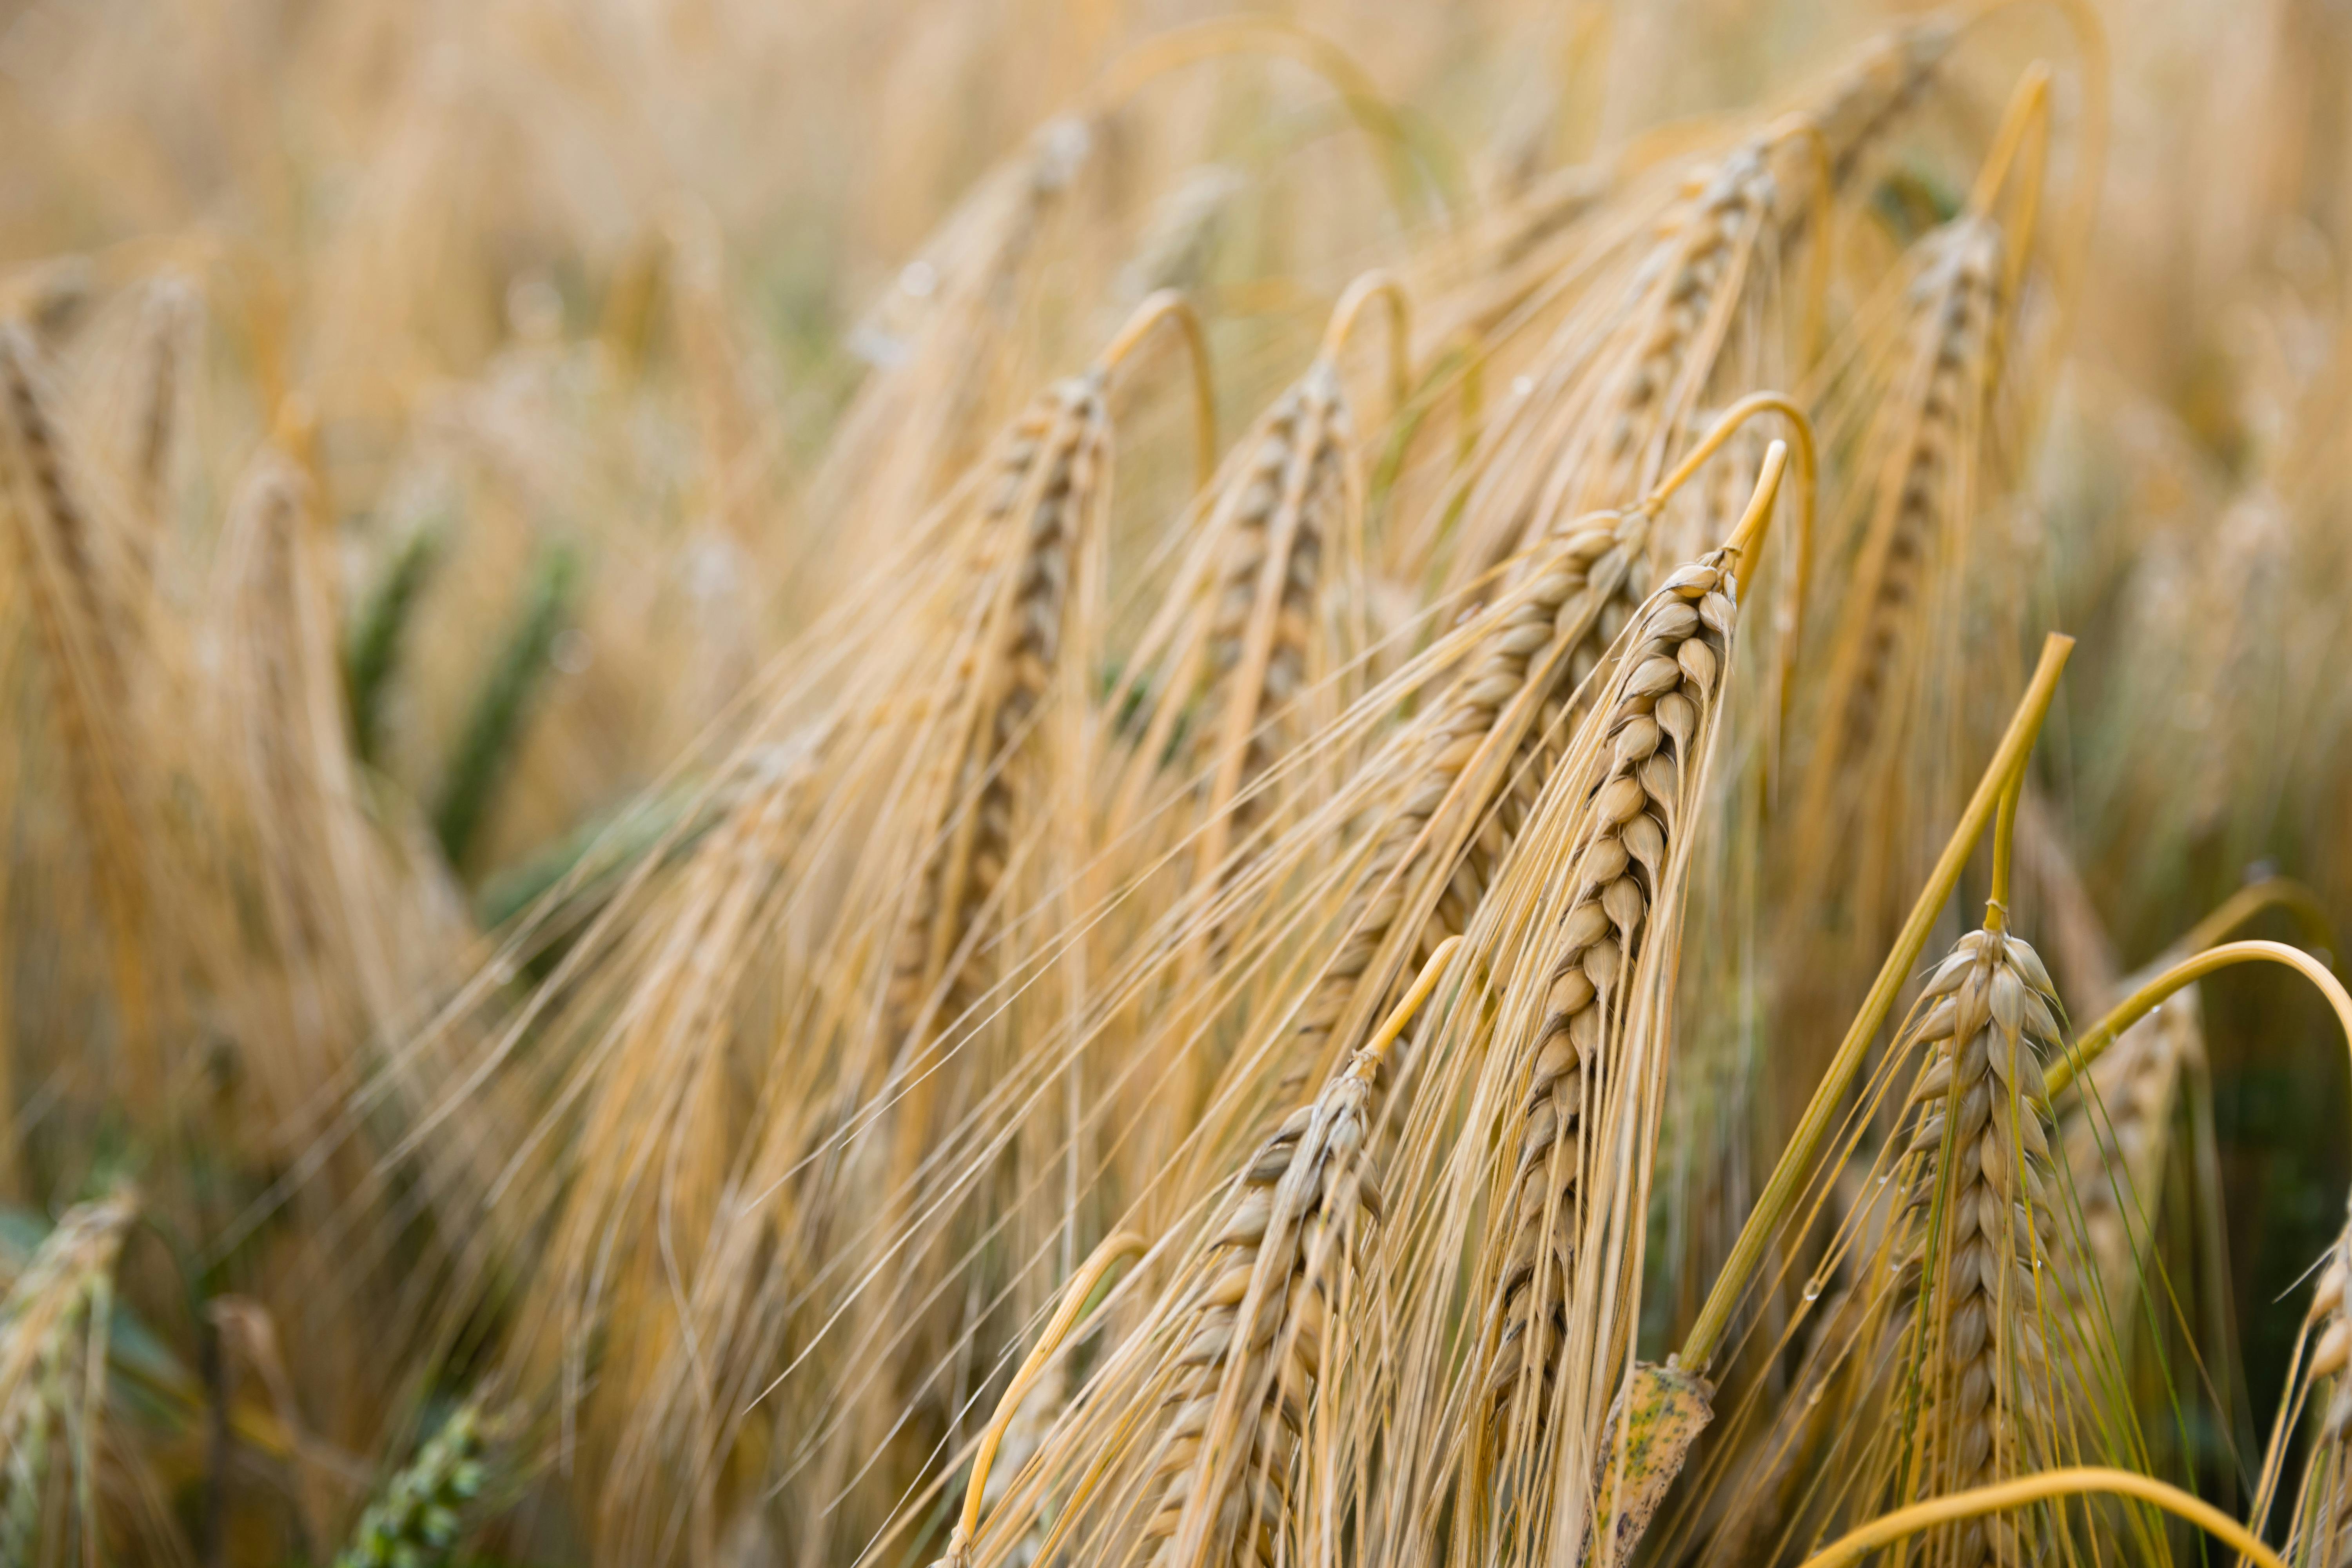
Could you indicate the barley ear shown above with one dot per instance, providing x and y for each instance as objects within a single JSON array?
[{"x": 414, "y": 1521}]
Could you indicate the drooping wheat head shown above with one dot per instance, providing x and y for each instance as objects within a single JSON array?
[
  {"x": 1979, "y": 1237},
  {"x": 1638, "y": 808}
]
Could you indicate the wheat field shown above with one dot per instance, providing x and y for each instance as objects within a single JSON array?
[{"x": 1373, "y": 784}]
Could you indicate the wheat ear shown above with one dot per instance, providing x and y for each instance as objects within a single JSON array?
[
  {"x": 413, "y": 1522},
  {"x": 1983, "y": 1136},
  {"x": 54, "y": 1325},
  {"x": 1264, "y": 1310}
]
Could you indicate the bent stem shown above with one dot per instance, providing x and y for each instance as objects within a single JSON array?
[
  {"x": 1383, "y": 287},
  {"x": 1749, "y": 532},
  {"x": 1787, "y": 1180},
  {"x": 1115, "y": 1250},
  {"x": 1854, "y": 1545},
  {"x": 1169, "y": 305},
  {"x": 2004, "y": 838},
  {"x": 2148, "y": 997},
  {"x": 1801, "y": 435}
]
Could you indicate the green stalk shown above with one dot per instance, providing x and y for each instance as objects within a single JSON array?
[
  {"x": 372, "y": 656},
  {"x": 486, "y": 751}
]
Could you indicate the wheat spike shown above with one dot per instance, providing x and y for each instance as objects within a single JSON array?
[
  {"x": 75, "y": 618},
  {"x": 1922, "y": 487},
  {"x": 1982, "y": 1137},
  {"x": 1265, "y": 1313},
  {"x": 1621, "y": 378},
  {"x": 1638, "y": 802},
  {"x": 1508, "y": 714},
  {"x": 1262, "y": 644},
  {"x": 1244, "y": 640},
  {"x": 1049, "y": 476},
  {"x": 414, "y": 1521}
]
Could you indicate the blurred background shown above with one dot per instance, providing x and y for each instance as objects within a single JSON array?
[{"x": 461, "y": 403}]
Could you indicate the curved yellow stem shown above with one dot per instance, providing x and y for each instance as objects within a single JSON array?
[
  {"x": 1904, "y": 1522},
  {"x": 1789, "y": 1176},
  {"x": 2004, "y": 838},
  {"x": 2028, "y": 114},
  {"x": 1759, "y": 516},
  {"x": 1383, "y": 287},
  {"x": 1115, "y": 1248},
  {"x": 1377, "y": 1047},
  {"x": 1801, "y": 435},
  {"x": 2140, "y": 1003},
  {"x": 1169, "y": 305}
]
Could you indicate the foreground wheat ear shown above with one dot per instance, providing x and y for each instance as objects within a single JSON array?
[
  {"x": 1190, "y": 1444},
  {"x": 1980, "y": 1249},
  {"x": 1268, "y": 1315},
  {"x": 1555, "y": 1247},
  {"x": 1659, "y": 718}
]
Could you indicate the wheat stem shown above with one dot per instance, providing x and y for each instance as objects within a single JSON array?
[
  {"x": 2074, "y": 1482},
  {"x": 1115, "y": 1250},
  {"x": 2132, "y": 1008},
  {"x": 1363, "y": 291},
  {"x": 1169, "y": 305},
  {"x": 2005, "y": 840}
]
